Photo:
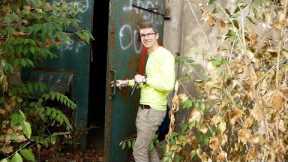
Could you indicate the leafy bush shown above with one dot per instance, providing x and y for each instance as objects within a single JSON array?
[
  {"x": 30, "y": 113},
  {"x": 240, "y": 113}
]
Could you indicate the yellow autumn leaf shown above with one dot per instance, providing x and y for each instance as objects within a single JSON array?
[
  {"x": 192, "y": 140},
  {"x": 195, "y": 115},
  {"x": 183, "y": 97},
  {"x": 248, "y": 122},
  {"x": 252, "y": 39},
  {"x": 224, "y": 139},
  {"x": 214, "y": 143},
  {"x": 284, "y": 91},
  {"x": 202, "y": 155},
  {"x": 221, "y": 156},
  {"x": 203, "y": 129},
  {"x": 7, "y": 149},
  {"x": 279, "y": 147},
  {"x": 277, "y": 102},
  {"x": 20, "y": 34},
  {"x": 211, "y": 20},
  {"x": 235, "y": 115},
  {"x": 257, "y": 140},
  {"x": 222, "y": 127},
  {"x": 281, "y": 126},
  {"x": 20, "y": 138},
  {"x": 2, "y": 111},
  {"x": 244, "y": 135},
  {"x": 282, "y": 18},
  {"x": 257, "y": 112},
  {"x": 251, "y": 154},
  {"x": 222, "y": 25},
  {"x": 216, "y": 119}
]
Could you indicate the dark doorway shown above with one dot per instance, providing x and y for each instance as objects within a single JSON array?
[{"x": 96, "y": 111}]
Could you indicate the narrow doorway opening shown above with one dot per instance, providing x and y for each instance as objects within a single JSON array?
[{"x": 96, "y": 111}]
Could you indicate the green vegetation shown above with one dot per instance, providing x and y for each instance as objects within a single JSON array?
[
  {"x": 240, "y": 112},
  {"x": 31, "y": 114}
]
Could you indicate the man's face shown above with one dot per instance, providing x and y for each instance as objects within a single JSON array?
[{"x": 149, "y": 38}]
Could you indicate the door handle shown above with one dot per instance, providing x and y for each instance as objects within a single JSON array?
[{"x": 113, "y": 74}]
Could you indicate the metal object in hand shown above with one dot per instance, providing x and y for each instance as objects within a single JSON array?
[{"x": 134, "y": 88}]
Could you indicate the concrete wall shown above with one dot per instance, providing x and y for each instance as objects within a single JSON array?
[
  {"x": 190, "y": 35},
  {"x": 172, "y": 27}
]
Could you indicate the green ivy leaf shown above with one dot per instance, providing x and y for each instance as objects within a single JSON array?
[
  {"x": 7, "y": 67},
  {"x": 27, "y": 129},
  {"x": 16, "y": 158},
  {"x": 129, "y": 144},
  {"x": 185, "y": 60},
  {"x": 53, "y": 140},
  {"x": 187, "y": 104},
  {"x": 123, "y": 146},
  {"x": 178, "y": 158},
  {"x": 17, "y": 118},
  {"x": 218, "y": 61},
  {"x": 84, "y": 36},
  {"x": 211, "y": 1},
  {"x": 28, "y": 154},
  {"x": 4, "y": 160},
  {"x": 231, "y": 34},
  {"x": 11, "y": 18}
]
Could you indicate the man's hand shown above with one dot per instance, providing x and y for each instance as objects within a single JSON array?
[
  {"x": 119, "y": 83},
  {"x": 139, "y": 78}
]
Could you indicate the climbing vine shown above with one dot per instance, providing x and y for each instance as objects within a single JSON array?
[{"x": 240, "y": 112}]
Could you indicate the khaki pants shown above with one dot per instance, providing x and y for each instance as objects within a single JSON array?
[{"x": 147, "y": 123}]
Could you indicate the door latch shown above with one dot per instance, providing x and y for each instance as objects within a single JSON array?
[
  {"x": 153, "y": 11},
  {"x": 113, "y": 73}
]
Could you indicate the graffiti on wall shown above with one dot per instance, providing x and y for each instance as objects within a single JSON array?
[
  {"x": 128, "y": 35},
  {"x": 59, "y": 81},
  {"x": 83, "y": 5},
  {"x": 72, "y": 45},
  {"x": 145, "y": 4}
]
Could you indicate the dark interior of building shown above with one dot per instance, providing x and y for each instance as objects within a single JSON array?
[{"x": 96, "y": 111}]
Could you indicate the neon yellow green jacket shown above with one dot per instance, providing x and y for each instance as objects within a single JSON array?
[{"x": 160, "y": 73}]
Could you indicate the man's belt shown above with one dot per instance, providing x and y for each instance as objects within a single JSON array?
[{"x": 144, "y": 106}]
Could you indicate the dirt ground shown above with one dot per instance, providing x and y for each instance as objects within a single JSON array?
[{"x": 90, "y": 155}]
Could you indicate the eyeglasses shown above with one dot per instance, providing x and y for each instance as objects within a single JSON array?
[{"x": 147, "y": 34}]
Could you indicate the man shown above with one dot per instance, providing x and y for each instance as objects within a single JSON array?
[{"x": 155, "y": 86}]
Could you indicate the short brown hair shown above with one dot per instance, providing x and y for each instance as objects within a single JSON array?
[{"x": 147, "y": 24}]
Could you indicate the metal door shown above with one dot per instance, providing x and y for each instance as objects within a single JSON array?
[
  {"x": 123, "y": 55},
  {"x": 71, "y": 70}
]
